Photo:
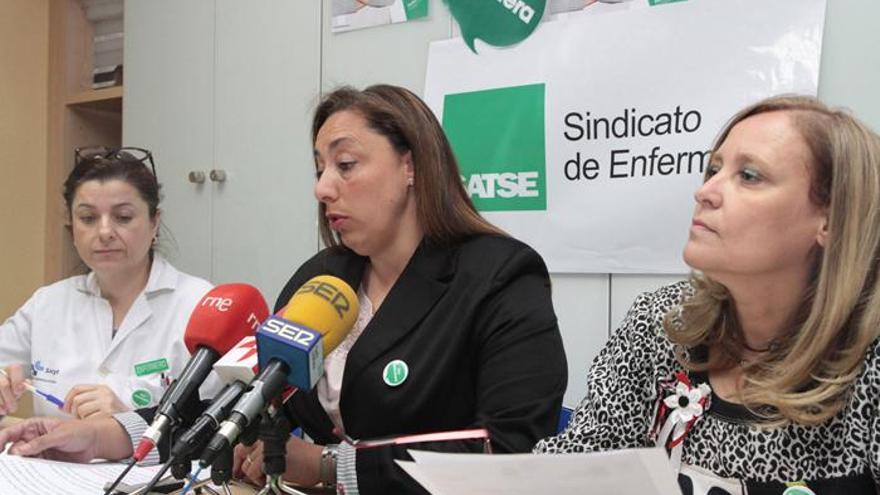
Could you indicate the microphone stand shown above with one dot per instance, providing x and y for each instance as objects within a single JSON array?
[
  {"x": 110, "y": 490},
  {"x": 274, "y": 432},
  {"x": 221, "y": 466},
  {"x": 180, "y": 466},
  {"x": 175, "y": 464},
  {"x": 221, "y": 470},
  {"x": 221, "y": 474}
]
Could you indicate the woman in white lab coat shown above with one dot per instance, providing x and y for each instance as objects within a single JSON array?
[{"x": 110, "y": 340}]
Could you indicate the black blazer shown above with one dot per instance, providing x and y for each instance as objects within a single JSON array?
[{"x": 475, "y": 324}]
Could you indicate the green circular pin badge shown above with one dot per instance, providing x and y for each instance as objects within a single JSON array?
[
  {"x": 395, "y": 373},
  {"x": 141, "y": 397},
  {"x": 798, "y": 490}
]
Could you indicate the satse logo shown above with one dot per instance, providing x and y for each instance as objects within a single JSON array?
[{"x": 498, "y": 138}]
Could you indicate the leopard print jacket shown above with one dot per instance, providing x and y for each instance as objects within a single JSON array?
[{"x": 618, "y": 412}]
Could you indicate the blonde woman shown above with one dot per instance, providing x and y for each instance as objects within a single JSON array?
[{"x": 762, "y": 373}]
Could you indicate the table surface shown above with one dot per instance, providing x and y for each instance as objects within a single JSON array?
[{"x": 237, "y": 488}]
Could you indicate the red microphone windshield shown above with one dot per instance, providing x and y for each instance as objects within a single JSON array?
[{"x": 225, "y": 315}]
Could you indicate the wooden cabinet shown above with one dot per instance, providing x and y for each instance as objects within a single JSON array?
[
  {"x": 224, "y": 89},
  {"x": 229, "y": 86},
  {"x": 169, "y": 109},
  {"x": 78, "y": 116}
]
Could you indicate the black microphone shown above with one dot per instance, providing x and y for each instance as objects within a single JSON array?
[
  {"x": 190, "y": 441},
  {"x": 266, "y": 386},
  {"x": 291, "y": 352},
  {"x": 225, "y": 315}
]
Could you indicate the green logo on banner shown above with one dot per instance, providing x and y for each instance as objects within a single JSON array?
[
  {"x": 415, "y": 9},
  {"x": 661, "y": 2},
  {"x": 150, "y": 367},
  {"x": 498, "y": 138},
  {"x": 496, "y": 22},
  {"x": 141, "y": 397}
]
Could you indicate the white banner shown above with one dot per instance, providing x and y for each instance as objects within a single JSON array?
[{"x": 588, "y": 139}]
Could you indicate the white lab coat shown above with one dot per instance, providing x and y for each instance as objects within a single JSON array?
[{"x": 63, "y": 335}]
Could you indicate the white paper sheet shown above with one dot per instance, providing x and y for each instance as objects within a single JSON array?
[
  {"x": 625, "y": 472},
  {"x": 29, "y": 476}
]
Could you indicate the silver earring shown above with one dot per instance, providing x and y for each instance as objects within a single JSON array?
[{"x": 410, "y": 182}]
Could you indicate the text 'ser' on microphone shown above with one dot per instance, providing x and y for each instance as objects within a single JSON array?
[
  {"x": 291, "y": 351},
  {"x": 224, "y": 316}
]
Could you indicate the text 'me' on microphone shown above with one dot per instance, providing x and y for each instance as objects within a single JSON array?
[
  {"x": 224, "y": 316},
  {"x": 291, "y": 351}
]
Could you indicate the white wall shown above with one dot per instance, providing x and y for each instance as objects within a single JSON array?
[{"x": 588, "y": 306}]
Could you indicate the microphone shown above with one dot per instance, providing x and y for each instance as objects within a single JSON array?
[
  {"x": 209, "y": 420},
  {"x": 225, "y": 315},
  {"x": 291, "y": 351},
  {"x": 324, "y": 302},
  {"x": 236, "y": 368},
  {"x": 240, "y": 363}
]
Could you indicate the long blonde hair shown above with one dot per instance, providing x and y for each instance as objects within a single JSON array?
[{"x": 806, "y": 376}]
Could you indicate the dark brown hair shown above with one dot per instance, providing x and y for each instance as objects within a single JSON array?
[
  {"x": 133, "y": 172},
  {"x": 443, "y": 208}
]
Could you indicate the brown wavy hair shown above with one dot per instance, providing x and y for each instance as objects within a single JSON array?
[
  {"x": 443, "y": 208},
  {"x": 806, "y": 376}
]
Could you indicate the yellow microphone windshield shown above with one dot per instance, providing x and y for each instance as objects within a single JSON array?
[{"x": 327, "y": 304}]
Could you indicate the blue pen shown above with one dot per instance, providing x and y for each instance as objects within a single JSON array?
[{"x": 45, "y": 395}]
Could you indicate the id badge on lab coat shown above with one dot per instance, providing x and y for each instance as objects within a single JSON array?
[{"x": 148, "y": 384}]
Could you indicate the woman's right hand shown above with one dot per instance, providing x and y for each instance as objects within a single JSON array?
[
  {"x": 51, "y": 438},
  {"x": 12, "y": 385},
  {"x": 70, "y": 440}
]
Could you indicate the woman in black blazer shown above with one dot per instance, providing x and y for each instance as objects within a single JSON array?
[
  {"x": 456, "y": 328},
  {"x": 461, "y": 311}
]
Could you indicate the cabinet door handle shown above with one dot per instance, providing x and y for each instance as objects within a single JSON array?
[
  {"x": 196, "y": 177},
  {"x": 218, "y": 175}
]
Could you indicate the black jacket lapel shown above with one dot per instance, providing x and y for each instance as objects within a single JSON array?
[{"x": 422, "y": 283}]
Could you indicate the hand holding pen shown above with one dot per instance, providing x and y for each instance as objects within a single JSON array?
[
  {"x": 13, "y": 385},
  {"x": 92, "y": 401}
]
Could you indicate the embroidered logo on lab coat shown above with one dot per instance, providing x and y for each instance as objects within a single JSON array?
[
  {"x": 44, "y": 373},
  {"x": 141, "y": 397}
]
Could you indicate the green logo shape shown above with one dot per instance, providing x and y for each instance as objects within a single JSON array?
[
  {"x": 415, "y": 9},
  {"x": 661, "y": 2},
  {"x": 141, "y": 397},
  {"x": 150, "y": 367},
  {"x": 395, "y": 373},
  {"x": 496, "y": 22},
  {"x": 498, "y": 138},
  {"x": 798, "y": 490}
]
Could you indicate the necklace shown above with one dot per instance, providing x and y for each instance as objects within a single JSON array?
[
  {"x": 757, "y": 351},
  {"x": 771, "y": 346}
]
